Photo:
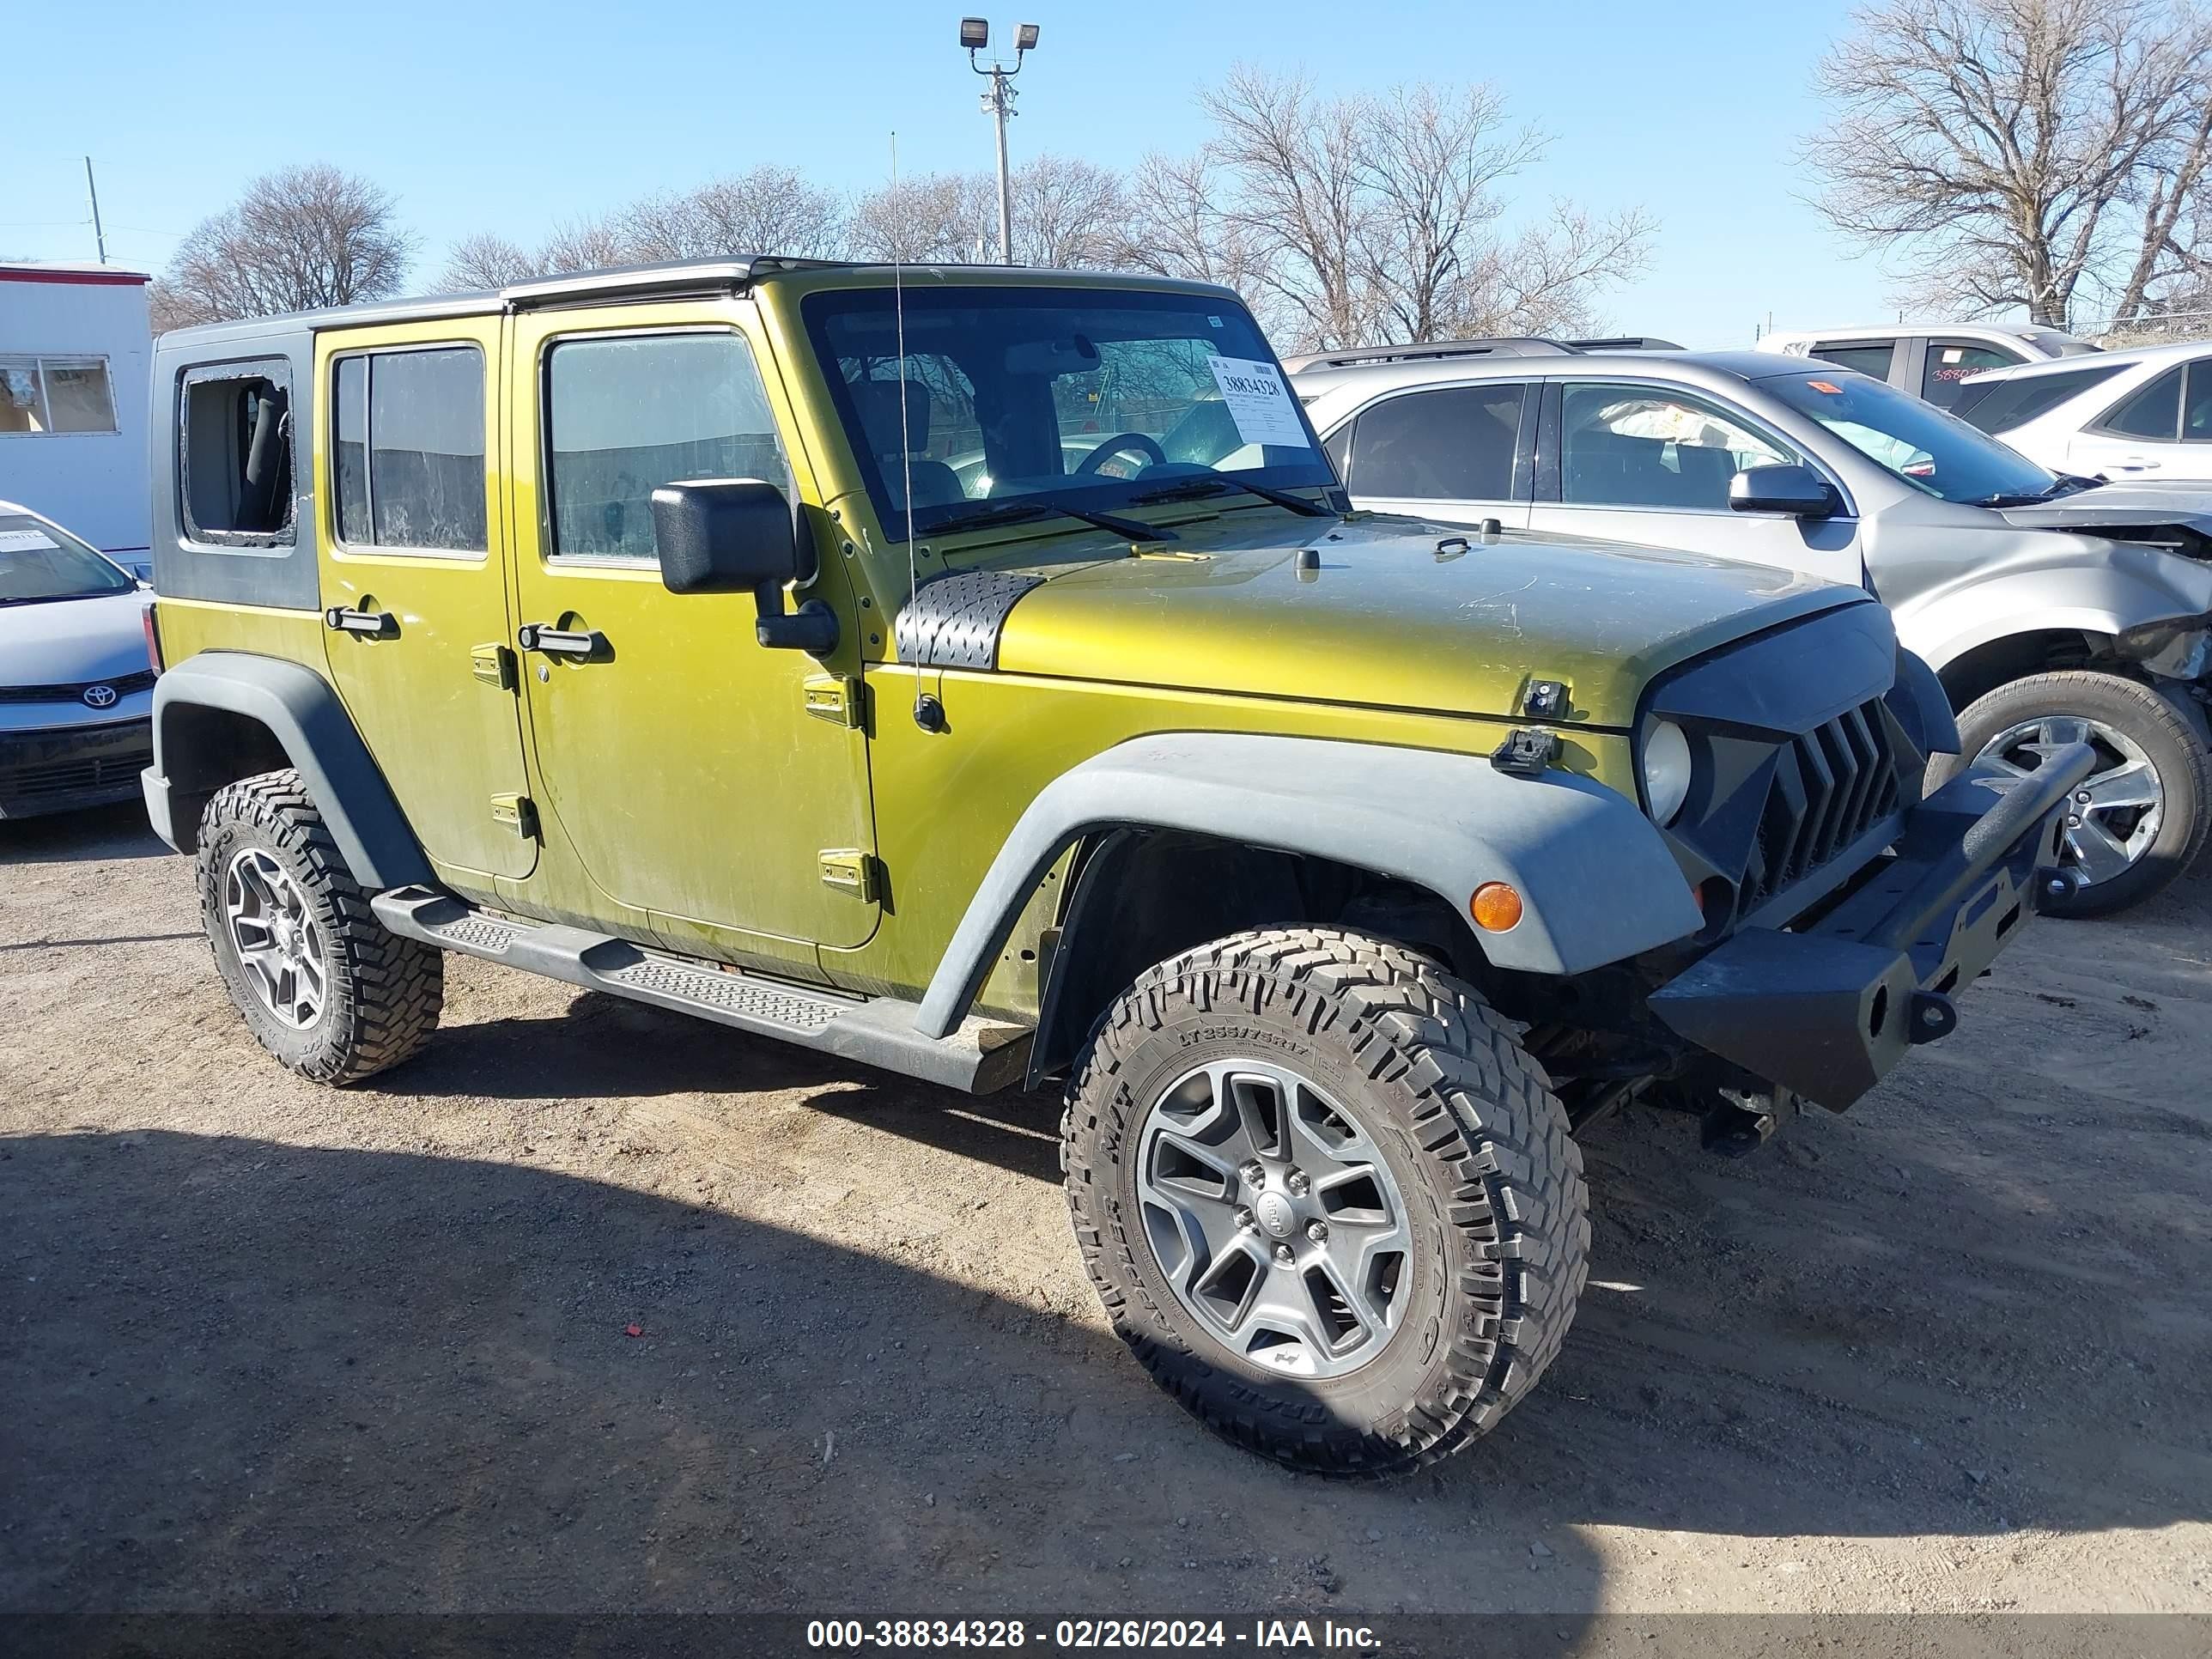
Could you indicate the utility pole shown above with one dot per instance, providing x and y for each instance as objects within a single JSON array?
[
  {"x": 998, "y": 104},
  {"x": 99, "y": 235}
]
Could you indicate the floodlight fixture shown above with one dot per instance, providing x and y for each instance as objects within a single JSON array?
[{"x": 976, "y": 33}]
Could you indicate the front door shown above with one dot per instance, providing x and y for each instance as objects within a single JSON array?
[
  {"x": 1447, "y": 452},
  {"x": 414, "y": 584},
  {"x": 684, "y": 763},
  {"x": 1641, "y": 462}
]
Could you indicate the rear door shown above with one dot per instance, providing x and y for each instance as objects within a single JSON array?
[
  {"x": 2163, "y": 430},
  {"x": 414, "y": 583},
  {"x": 1458, "y": 453},
  {"x": 1638, "y": 461}
]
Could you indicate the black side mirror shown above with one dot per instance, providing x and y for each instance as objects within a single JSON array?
[
  {"x": 1796, "y": 491},
  {"x": 730, "y": 535}
]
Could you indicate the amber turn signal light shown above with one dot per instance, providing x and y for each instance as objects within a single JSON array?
[{"x": 1495, "y": 907}]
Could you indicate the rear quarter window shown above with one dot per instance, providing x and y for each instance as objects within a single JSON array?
[
  {"x": 234, "y": 453},
  {"x": 2000, "y": 405}
]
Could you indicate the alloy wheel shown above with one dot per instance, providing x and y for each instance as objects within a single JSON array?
[
  {"x": 1274, "y": 1218},
  {"x": 277, "y": 939},
  {"x": 2117, "y": 809}
]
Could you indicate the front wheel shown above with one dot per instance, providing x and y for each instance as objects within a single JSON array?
[
  {"x": 1326, "y": 1197},
  {"x": 2139, "y": 820}
]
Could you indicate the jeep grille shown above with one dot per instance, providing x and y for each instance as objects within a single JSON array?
[{"x": 1831, "y": 785}]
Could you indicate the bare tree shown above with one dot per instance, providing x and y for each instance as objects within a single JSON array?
[
  {"x": 1548, "y": 279},
  {"x": 934, "y": 218},
  {"x": 2022, "y": 152},
  {"x": 1298, "y": 191},
  {"x": 299, "y": 237},
  {"x": 1067, "y": 214},
  {"x": 767, "y": 210},
  {"x": 489, "y": 261},
  {"x": 1350, "y": 220}
]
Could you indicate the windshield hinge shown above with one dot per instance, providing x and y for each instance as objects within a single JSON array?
[
  {"x": 1525, "y": 754},
  {"x": 836, "y": 698}
]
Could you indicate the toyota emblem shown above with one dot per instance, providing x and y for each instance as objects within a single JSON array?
[{"x": 100, "y": 697}]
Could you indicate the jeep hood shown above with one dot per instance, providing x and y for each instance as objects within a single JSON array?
[{"x": 1387, "y": 622}]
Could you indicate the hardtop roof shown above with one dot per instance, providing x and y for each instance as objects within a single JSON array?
[{"x": 661, "y": 280}]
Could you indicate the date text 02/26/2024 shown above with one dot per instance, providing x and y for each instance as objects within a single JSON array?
[{"x": 1085, "y": 1635}]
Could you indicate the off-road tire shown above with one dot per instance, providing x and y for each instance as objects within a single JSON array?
[
  {"x": 1476, "y": 1139},
  {"x": 2160, "y": 730},
  {"x": 385, "y": 993}
]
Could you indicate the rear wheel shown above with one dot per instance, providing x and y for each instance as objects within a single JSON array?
[
  {"x": 2136, "y": 822},
  {"x": 1326, "y": 1198},
  {"x": 321, "y": 984}
]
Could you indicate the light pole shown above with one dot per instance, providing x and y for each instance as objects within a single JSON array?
[{"x": 999, "y": 102}]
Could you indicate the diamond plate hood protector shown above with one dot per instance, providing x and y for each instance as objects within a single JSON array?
[{"x": 1387, "y": 620}]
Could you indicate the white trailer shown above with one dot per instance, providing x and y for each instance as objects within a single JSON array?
[{"x": 76, "y": 348}]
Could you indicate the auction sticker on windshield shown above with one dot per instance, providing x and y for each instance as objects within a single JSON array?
[
  {"x": 28, "y": 541},
  {"x": 1258, "y": 402}
]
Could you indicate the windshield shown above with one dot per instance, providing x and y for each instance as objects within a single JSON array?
[
  {"x": 1931, "y": 450},
  {"x": 38, "y": 561},
  {"x": 1020, "y": 399}
]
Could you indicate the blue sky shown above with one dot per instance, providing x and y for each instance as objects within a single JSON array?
[{"x": 510, "y": 118}]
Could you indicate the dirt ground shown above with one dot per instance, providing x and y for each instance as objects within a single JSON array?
[{"x": 268, "y": 1346}]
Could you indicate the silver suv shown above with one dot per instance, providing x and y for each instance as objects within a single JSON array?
[{"x": 2055, "y": 608}]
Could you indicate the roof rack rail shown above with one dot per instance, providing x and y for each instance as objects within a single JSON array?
[
  {"x": 1624, "y": 343},
  {"x": 1425, "y": 351}
]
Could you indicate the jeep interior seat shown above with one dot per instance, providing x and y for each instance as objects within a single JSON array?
[{"x": 898, "y": 449}]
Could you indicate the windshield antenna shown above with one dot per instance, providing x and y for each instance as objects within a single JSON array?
[{"x": 928, "y": 713}]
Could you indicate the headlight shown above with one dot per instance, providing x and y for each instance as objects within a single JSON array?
[{"x": 1666, "y": 770}]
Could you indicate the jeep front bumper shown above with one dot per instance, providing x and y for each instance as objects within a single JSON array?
[{"x": 1825, "y": 1011}]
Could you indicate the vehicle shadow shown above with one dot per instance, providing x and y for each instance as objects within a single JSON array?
[
  {"x": 1941, "y": 1313},
  {"x": 97, "y": 832}
]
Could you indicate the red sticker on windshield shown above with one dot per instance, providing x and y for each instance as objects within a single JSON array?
[{"x": 1828, "y": 386}]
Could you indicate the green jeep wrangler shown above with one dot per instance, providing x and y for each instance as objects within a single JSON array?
[{"x": 978, "y": 674}]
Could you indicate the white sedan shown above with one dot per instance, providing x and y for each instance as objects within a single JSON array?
[
  {"x": 77, "y": 671},
  {"x": 2138, "y": 416}
]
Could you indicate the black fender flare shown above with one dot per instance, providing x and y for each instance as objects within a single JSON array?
[
  {"x": 303, "y": 715},
  {"x": 1596, "y": 878}
]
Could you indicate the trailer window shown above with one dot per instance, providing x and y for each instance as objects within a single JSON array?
[{"x": 40, "y": 396}]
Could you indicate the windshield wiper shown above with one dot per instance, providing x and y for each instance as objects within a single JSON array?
[
  {"x": 1198, "y": 489},
  {"x": 54, "y": 598},
  {"x": 1039, "y": 506},
  {"x": 2066, "y": 483}
]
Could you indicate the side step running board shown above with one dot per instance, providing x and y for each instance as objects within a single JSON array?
[{"x": 981, "y": 1057}]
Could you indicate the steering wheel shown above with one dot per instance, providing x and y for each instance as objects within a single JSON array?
[{"x": 1121, "y": 443}]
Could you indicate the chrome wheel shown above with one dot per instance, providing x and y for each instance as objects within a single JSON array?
[
  {"x": 2115, "y": 814},
  {"x": 1274, "y": 1218},
  {"x": 278, "y": 940}
]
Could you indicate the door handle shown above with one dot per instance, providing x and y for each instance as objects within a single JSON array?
[
  {"x": 369, "y": 624},
  {"x": 560, "y": 643}
]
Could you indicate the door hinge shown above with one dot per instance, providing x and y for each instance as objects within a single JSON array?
[
  {"x": 833, "y": 698},
  {"x": 494, "y": 665},
  {"x": 852, "y": 871},
  {"x": 516, "y": 813}
]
